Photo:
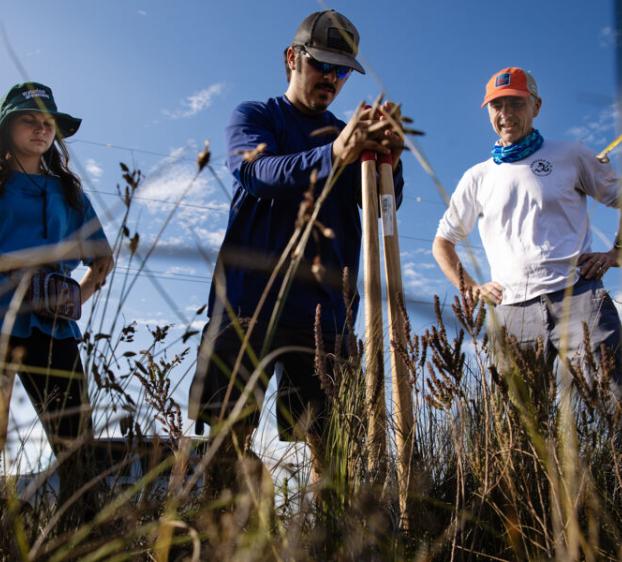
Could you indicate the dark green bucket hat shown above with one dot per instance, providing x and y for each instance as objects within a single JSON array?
[{"x": 34, "y": 97}]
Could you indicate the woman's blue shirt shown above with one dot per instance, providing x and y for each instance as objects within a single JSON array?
[{"x": 34, "y": 213}]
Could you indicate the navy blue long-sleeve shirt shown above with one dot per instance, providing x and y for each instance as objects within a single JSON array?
[{"x": 267, "y": 196}]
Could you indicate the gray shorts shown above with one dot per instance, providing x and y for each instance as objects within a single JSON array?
[{"x": 557, "y": 318}]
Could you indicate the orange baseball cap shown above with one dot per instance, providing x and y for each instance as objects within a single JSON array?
[{"x": 510, "y": 81}]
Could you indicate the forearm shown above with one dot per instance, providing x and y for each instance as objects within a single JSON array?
[
  {"x": 95, "y": 276},
  {"x": 287, "y": 175},
  {"x": 445, "y": 254}
]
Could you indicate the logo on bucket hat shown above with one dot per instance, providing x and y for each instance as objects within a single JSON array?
[
  {"x": 32, "y": 97},
  {"x": 29, "y": 94},
  {"x": 330, "y": 37}
]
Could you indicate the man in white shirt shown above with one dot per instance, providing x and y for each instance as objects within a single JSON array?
[{"x": 530, "y": 200}]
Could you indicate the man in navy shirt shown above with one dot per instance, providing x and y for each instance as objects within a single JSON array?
[{"x": 268, "y": 192}]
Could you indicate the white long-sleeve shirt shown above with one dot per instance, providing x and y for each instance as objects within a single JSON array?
[{"x": 533, "y": 218}]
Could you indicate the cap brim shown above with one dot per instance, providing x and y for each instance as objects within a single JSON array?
[
  {"x": 67, "y": 124},
  {"x": 331, "y": 57},
  {"x": 505, "y": 93}
]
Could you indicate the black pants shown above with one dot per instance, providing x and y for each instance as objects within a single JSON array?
[
  {"x": 301, "y": 401},
  {"x": 53, "y": 376}
]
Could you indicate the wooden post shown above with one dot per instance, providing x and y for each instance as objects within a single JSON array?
[
  {"x": 401, "y": 389},
  {"x": 374, "y": 363}
]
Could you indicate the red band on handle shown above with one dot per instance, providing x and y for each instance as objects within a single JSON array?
[
  {"x": 385, "y": 159},
  {"x": 368, "y": 155}
]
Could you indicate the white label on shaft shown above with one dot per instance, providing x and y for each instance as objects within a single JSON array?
[{"x": 387, "y": 206}]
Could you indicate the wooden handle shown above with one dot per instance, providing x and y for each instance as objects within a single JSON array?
[
  {"x": 374, "y": 363},
  {"x": 401, "y": 390},
  {"x": 602, "y": 156}
]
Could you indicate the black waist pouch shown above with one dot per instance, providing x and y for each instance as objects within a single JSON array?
[{"x": 54, "y": 295}]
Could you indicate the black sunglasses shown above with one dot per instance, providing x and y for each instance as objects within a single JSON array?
[{"x": 342, "y": 72}]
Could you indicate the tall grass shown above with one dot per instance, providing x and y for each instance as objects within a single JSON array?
[{"x": 506, "y": 464}]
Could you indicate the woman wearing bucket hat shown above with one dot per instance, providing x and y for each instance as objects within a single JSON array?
[{"x": 47, "y": 226}]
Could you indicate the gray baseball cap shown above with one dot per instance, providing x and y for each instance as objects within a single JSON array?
[{"x": 330, "y": 37}]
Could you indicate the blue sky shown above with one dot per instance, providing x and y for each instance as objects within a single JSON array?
[{"x": 160, "y": 77}]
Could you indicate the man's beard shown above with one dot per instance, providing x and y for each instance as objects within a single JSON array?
[{"x": 321, "y": 104}]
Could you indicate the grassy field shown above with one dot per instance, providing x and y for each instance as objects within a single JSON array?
[{"x": 523, "y": 464}]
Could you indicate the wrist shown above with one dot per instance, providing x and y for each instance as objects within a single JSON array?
[{"x": 337, "y": 152}]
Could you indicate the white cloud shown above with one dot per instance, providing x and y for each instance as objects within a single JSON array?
[
  {"x": 210, "y": 238},
  {"x": 178, "y": 270},
  {"x": 428, "y": 265},
  {"x": 607, "y": 36},
  {"x": 160, "y": 320},
  {"x": 94, "y": 169},
  {"x": 196, "y": 102},
  {"x": 170, "y": 179},
  {"x": 141, "y": 13},
  {"x": 596, "y": 130},
  {"x": 175, "y": 154},
  {"x": 200, "y": 218},
  {"x": 204, "y": 203},
  {"x": 416, "y": 252},
  {"x": 151, "y": 322},
  {"x": 415, "y": 280},
  {"x": 197, "y": 324},
  {"x": 170, "y": 187}
]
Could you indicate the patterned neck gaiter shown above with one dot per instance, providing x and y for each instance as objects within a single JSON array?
[{"x": 515, "y": 152}]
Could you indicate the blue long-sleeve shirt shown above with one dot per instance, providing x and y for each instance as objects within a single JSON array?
[{"x": 267, "y": 196}]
